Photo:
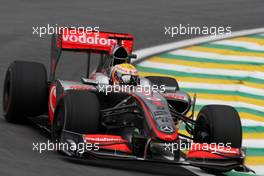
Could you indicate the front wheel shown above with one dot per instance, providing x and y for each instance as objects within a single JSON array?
[{"x": 219, "y": 124}]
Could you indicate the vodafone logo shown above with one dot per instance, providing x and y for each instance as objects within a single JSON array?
[
  {"x": 104, "y": 139},
  {"x": 85, "y": 39}
]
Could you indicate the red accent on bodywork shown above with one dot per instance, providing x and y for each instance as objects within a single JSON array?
[
  {"x": 94, "y": 40},
  {"x": 173, "y": 96},
  {"x": 110, "y": 142},
  {"x": 159, "y": 134},
  {"x": 155, "y": 101},
  {"x": 52, "y": 101},
  {"x": 158, "y": 103},
  {"x": 81, "y": 87},
  {"x": 203, "y": 154},
  {"x": 153, "y": 98},
  {"x": 210, "y": 151}
]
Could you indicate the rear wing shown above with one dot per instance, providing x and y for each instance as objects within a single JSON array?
[
  {"x": 95, "y": 41},
  {"x": 87, "y": 41}
]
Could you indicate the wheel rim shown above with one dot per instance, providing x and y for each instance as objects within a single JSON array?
[{"x": 202, "y": 132}]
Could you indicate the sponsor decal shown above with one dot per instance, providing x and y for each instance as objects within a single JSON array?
[
  {"x": 79, "y": 87},
  {"x": 174, "y": 96},
  {"x": 103, "y": 138},
  {"x": 84, "y": 38}
]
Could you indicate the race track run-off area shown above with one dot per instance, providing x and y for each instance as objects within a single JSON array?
[{"x": 228, "y": 72}]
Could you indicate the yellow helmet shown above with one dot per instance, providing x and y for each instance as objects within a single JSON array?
[{"x": 124, "y": 74}]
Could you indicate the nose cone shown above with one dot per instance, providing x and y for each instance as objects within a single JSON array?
[{"x": 162, "y": 151}]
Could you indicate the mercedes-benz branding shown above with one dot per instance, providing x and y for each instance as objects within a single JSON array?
[{"x": 166, "y": 129}]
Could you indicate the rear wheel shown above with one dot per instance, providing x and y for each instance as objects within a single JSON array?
[
  {"x": 25, "y": 91},
  {"x": 166, "y": 81},
  {"x": 78, "y": 112}
]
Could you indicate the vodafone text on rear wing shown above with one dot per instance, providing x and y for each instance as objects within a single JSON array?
[{"x": 86, "y": 41}]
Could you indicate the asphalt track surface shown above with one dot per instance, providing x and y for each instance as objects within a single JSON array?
[{"x": 143, "y": 18}]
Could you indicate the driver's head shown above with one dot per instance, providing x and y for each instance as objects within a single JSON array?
[
  {"x": 124, "y": 74},
  {"x": 120, "y": 55}
]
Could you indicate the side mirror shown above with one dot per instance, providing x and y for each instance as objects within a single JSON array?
[
  {"x": 133, "y": 56},
  {"x": 89, "y": 81}
]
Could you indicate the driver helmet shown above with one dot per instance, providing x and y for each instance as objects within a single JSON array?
[{"x": 124, "y": 74}]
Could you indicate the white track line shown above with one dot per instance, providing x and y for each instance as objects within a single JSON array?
[
  {"x": 253, "y": 143},
  {"x": 258, "y": 169},
  {"x": 251, "y": 123},
  {"x": 216, "y": 56},
  {"x": 209, "y": 71},
  {"x": 247, "y": 45},
  {"x": 235, "y": 104},
  {"x": 224, "y": 87}
]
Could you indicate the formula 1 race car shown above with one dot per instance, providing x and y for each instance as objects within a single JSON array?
[{"x": 135, "y": 122}]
